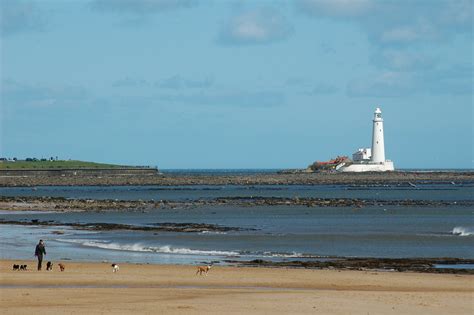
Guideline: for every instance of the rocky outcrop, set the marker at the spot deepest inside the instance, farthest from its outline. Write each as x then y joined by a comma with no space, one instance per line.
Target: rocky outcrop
386,264
63,204
157,227
387,178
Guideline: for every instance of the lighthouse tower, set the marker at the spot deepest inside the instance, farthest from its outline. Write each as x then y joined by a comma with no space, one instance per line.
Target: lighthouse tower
378,146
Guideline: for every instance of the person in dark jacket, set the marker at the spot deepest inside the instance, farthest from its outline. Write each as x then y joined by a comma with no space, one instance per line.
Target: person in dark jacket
39,252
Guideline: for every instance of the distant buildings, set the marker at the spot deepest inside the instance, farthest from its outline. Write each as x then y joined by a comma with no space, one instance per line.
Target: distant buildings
4,159
28,159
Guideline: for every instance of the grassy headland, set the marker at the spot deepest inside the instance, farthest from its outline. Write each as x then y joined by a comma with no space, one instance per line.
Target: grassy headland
70,164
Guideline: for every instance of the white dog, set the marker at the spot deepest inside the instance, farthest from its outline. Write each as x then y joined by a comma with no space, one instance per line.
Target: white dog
115,267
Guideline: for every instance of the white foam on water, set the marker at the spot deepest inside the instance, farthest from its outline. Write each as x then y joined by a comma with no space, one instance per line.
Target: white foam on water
151,249
212,232
462,231
284,255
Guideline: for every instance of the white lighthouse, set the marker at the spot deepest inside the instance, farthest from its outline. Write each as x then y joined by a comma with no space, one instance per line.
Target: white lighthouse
371,159
378,146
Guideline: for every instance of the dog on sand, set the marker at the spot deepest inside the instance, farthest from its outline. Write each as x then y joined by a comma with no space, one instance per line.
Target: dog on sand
23,267
16,267
49,266
203,269
115,267
61,267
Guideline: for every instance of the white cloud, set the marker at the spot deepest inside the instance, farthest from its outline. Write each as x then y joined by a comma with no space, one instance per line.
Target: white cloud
458,13
408,38
402,60
15,93
232,98
323,88
178,82
130,82
257,26
20,16
457,79
398,22
452,80
386,84
335,8
174,82
140,7
422,30
297,81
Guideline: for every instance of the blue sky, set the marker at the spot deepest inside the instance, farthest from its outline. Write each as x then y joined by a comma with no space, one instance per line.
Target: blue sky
236,84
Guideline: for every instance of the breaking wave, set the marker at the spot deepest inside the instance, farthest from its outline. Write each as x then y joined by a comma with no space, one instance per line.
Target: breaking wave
213,232
166,249
151,249
289,255
284,255
462,231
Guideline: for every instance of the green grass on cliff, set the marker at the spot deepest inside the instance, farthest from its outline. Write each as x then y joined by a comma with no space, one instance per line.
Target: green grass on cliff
54,165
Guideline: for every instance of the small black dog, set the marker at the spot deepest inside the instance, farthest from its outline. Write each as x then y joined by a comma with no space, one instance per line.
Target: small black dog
23,267
16,267
49,266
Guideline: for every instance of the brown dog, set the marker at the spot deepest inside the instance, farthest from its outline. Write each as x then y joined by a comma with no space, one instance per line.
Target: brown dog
203,269
61,267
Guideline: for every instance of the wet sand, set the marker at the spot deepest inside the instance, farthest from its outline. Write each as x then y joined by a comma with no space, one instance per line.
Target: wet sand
175,289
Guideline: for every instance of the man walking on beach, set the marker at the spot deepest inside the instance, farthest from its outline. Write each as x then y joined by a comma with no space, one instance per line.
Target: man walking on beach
39,252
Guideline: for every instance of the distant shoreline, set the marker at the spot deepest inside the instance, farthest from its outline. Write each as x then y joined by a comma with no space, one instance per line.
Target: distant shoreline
182,179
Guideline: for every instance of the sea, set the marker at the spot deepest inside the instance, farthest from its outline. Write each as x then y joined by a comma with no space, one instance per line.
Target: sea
275,233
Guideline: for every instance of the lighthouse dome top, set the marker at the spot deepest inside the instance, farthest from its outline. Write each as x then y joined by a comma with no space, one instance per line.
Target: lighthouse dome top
378,114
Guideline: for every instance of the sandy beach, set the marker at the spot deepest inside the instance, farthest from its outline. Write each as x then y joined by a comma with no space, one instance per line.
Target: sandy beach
175,289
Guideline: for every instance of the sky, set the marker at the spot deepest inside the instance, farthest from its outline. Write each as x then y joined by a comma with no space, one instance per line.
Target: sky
236,84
